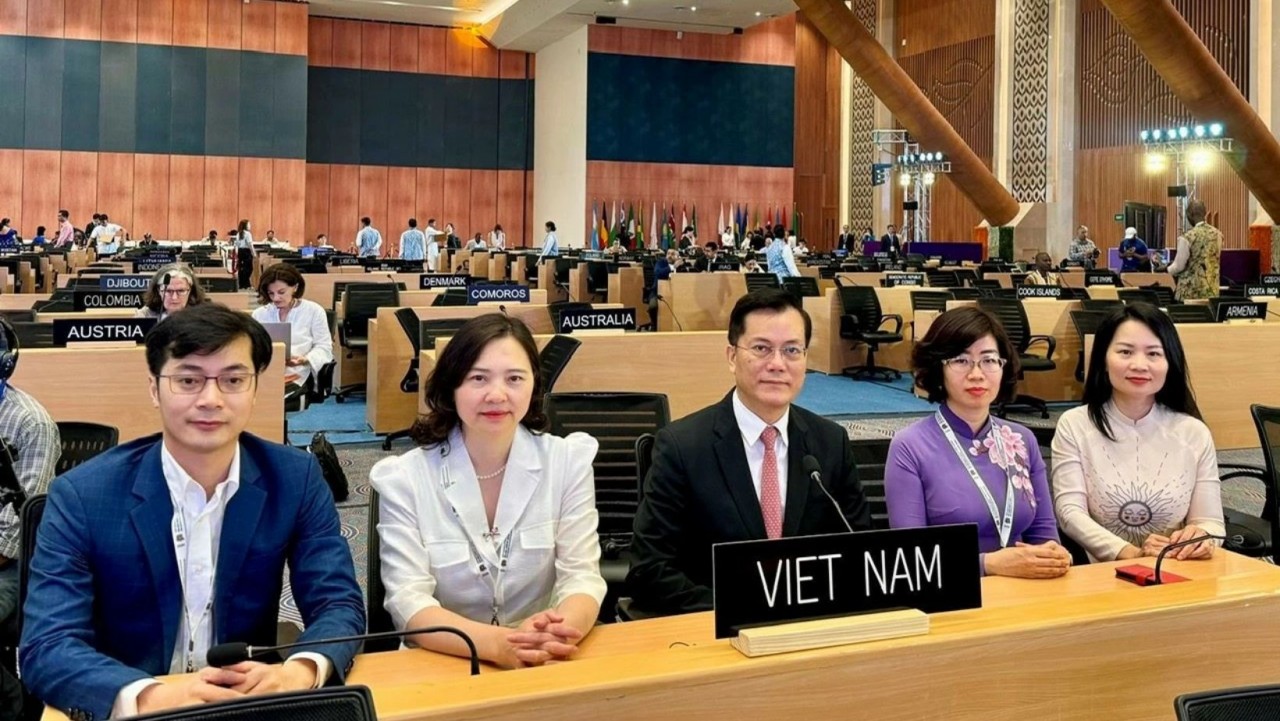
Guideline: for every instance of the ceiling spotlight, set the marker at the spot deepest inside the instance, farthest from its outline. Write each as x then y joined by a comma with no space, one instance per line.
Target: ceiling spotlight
928,178
1144,135
941,158
1215,129
1200,160
1156,162
1183,132
904,180
1157,134
693,8
1199,130
758,13
626,2
1172,134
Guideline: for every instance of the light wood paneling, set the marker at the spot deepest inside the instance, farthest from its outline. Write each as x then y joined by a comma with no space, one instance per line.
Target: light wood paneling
402,203
404,48
431,196
78,190
120,20
155,22
512,64
317,199
456,207
373,196
288,198
484,203
150,196
186,197
221,197
258,27
924,25
432,43
458,52
511,210
375,46
83,19
291,28
11,182
45,18
224,24
13,19
191,23
255,193
344,204
115,188
40,182
767,43
346,43
817,164
320,42
484,61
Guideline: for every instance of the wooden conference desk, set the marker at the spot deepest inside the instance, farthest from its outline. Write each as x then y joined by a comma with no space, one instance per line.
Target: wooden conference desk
699,301
690,368
1079,648
110,386
1231,367
625,288
829,353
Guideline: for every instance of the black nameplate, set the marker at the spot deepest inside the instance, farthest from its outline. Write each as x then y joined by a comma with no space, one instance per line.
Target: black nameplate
1098,278
915,280
1039,291
1271,290
935,257
762,583
882,255
1239,310
733,267
152,261
89,299
9,250
124,282
619,319
492,292
1270,279
344,260
427,281
100,330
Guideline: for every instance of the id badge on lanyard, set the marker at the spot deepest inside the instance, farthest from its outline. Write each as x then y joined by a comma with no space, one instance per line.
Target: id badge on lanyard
1004,526
493,578
182,554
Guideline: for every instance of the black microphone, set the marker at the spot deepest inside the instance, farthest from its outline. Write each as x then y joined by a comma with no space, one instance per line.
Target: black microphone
814,469
229,654
164,282
1180,544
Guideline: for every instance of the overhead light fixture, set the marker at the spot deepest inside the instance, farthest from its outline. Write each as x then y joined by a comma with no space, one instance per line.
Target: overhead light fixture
1184,132
1215,129
1171,134
758,13
904,180
1200,131
1156,162
1157,134
1200,160
1144,135
928,178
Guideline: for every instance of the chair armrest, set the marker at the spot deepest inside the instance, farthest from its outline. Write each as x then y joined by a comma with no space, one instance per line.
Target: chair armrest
1229,471
1050,340
849,326
897,319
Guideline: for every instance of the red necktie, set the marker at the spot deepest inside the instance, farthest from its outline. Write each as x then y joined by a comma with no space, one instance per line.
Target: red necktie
770,495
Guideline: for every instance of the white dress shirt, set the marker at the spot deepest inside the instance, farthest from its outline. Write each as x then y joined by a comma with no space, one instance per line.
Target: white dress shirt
546,519
433,251
752,427
497,240
308,334
197,556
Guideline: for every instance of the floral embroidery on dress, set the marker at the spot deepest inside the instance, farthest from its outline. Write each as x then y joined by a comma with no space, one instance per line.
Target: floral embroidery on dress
1013,459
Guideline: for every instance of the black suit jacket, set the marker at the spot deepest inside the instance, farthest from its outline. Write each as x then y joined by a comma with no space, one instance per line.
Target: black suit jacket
848,241
891,243
699,492
702,263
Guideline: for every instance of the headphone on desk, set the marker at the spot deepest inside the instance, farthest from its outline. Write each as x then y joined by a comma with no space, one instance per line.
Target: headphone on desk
8,355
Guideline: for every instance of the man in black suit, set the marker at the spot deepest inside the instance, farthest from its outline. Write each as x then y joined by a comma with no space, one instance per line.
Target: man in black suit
891,242
734,471
848,241
702,264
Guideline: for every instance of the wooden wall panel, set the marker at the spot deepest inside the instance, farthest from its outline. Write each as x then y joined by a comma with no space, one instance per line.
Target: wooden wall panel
484,203
40,182
186,197
221,192
512,64
255,193
431,196
13,18
510,210
373,197
320,42
191,23
11,182
317,203
289,198
960,82
375,46
83,21
402,202
532,229
456,206
115,188
78,189
224,24
258,29
458,52
291,28
346,43
768,43
924,25
404,48
45,18
155,23
120,20
150,196
484,61
432,50
344,204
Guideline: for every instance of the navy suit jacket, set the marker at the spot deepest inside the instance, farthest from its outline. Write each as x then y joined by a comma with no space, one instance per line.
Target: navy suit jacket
105,602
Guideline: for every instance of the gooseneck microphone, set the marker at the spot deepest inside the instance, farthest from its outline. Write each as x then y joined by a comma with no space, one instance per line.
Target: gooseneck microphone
229,654
1190,541
814,470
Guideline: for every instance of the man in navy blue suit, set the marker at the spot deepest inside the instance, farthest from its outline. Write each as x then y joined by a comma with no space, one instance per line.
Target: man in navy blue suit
155,551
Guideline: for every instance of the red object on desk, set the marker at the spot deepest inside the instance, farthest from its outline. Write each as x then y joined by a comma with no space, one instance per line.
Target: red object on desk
1146,576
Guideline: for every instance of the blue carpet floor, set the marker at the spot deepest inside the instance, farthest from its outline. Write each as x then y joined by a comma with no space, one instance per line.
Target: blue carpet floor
844,397
341,422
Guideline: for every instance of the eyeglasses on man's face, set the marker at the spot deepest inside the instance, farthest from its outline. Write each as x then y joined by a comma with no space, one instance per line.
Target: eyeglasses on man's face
189,384
764,351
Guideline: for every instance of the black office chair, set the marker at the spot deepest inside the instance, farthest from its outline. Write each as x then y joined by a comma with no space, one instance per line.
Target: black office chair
1164,295
801,286
626,609
31,514
360,305
966,293
998,293
1105,305
218,285
561,280
943,279
1190,313
82,441
615,420
1013,317
342,286
412,327
451,297
1248,703
430,331
1086,323
930,300
871,455
554,358
34,335
861,321
966,276
758,281
322,387
1138,295
376,615
1248,534
331,703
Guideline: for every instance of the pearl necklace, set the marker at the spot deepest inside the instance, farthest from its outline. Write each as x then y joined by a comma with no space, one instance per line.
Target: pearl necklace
495,474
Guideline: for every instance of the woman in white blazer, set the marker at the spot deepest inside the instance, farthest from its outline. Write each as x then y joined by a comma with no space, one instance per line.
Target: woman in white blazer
310,343
490,525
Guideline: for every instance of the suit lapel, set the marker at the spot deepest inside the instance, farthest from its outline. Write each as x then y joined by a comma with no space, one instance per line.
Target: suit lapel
797,481
152,519
461,491
239,525
732,457
524,473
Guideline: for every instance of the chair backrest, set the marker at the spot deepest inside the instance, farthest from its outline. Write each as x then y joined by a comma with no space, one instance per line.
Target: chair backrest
451,297
341,286
802,286
34,335
966,276
376,614
1107,305
323,387
1137,295
1190,313
644,461
361,305
1013,317
929,300
31,513
615,420
430,331
82,441
862,303
757,281
554,358
1164,294
1235,704
412,327
970,293
1002,293
943,279
871,455
1267,421
218,285
331,703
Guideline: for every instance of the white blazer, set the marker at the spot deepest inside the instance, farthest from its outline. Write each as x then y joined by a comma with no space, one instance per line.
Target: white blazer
433,528
308,335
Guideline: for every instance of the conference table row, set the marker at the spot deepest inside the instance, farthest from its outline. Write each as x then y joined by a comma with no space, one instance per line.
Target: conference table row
1085,646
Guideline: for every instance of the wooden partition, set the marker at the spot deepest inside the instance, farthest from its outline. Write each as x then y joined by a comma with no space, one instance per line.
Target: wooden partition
1231,368
626,287
698,301
109,385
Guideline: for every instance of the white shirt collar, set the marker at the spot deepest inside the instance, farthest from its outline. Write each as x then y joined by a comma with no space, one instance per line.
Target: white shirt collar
184,489
751,425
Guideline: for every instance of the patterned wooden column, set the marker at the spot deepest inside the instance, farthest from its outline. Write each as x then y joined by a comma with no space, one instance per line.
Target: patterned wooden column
862,151
1029,171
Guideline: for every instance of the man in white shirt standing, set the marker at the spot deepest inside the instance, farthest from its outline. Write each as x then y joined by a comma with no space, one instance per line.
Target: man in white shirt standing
159,549
368,240
106,232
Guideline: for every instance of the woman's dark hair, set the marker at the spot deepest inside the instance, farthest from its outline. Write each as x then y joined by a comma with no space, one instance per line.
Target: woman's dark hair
202,330
284,273
242,226
551,226
950,335
154,300
1176,394
497,228
456,361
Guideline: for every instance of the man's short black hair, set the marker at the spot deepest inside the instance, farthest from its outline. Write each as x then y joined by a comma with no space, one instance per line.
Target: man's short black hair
366,221
204,329
413,222
772,299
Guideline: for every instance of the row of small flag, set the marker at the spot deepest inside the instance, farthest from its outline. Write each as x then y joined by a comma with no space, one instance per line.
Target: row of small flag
609,221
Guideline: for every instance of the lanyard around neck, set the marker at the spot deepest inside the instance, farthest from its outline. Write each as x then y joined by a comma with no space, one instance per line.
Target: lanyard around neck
182,555
502,548
1003,525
